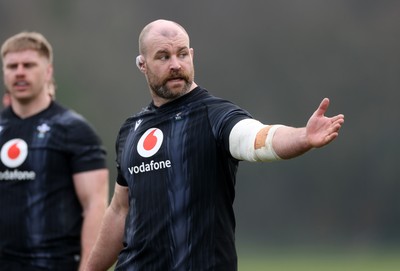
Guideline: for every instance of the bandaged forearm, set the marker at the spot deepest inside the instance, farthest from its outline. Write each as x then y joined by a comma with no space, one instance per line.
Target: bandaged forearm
250,140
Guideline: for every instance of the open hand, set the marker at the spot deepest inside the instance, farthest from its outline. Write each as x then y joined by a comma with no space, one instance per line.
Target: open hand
321,130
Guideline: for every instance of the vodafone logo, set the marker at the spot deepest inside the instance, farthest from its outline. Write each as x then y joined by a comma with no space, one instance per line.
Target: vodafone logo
148,145
150,142
14,152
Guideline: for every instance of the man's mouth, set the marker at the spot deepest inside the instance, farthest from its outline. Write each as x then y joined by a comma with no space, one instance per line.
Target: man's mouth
175,78
21,83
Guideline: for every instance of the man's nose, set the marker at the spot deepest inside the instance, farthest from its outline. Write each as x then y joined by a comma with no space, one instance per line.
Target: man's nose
20,70
175,63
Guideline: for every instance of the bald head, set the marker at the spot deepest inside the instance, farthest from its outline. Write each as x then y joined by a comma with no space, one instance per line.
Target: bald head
160,28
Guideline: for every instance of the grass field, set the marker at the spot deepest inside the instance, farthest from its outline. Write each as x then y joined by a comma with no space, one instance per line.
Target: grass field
354,261
306,261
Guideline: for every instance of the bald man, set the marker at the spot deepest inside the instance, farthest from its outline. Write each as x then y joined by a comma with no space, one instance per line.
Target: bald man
177,161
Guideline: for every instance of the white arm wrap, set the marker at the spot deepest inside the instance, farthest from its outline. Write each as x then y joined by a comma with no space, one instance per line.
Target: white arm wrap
242,141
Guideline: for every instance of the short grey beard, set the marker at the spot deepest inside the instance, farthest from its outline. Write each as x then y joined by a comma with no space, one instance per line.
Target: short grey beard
166,93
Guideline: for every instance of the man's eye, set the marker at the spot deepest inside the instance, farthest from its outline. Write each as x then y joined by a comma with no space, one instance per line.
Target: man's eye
182,55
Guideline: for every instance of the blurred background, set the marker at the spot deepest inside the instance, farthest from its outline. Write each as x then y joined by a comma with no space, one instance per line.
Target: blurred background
278,60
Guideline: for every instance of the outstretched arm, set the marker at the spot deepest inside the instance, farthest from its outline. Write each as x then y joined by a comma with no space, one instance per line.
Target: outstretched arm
250,140
289,142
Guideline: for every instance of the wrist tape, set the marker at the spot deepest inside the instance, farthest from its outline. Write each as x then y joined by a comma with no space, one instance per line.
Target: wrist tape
250,140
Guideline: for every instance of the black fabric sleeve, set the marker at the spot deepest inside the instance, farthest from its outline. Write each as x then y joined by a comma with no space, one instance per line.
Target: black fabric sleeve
84,145
223,116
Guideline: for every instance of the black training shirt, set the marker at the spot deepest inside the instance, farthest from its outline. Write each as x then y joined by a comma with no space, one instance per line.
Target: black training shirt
176,162
40,215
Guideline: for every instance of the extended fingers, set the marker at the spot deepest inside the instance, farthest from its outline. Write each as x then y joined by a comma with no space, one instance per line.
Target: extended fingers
331,137
339,117
335,126
337,120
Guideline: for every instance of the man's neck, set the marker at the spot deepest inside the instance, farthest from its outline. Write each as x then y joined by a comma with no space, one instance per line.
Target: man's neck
30,108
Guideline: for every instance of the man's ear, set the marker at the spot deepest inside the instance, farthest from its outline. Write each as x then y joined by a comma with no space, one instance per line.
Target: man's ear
49,73
140,63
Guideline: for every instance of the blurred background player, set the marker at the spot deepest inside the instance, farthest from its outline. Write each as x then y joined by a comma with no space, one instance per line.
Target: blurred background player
53,174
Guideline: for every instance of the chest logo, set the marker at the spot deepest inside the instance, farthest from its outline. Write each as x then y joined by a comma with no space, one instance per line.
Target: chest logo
14,152
150,142
43,129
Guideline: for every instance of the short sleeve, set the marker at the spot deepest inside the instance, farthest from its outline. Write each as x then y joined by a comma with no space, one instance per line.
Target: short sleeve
223,116
84,145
